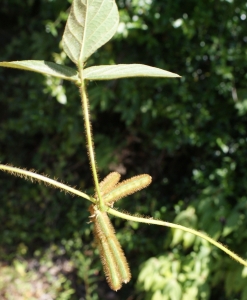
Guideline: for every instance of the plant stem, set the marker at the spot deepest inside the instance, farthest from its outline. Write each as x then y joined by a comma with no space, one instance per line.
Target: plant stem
32,175
37,177
89,137
176,226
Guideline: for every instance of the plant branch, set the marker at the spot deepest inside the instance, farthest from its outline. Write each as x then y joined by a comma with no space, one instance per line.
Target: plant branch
37,177
148,220
176,226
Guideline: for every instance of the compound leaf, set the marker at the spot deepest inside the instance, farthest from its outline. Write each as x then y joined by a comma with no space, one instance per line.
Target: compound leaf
91,23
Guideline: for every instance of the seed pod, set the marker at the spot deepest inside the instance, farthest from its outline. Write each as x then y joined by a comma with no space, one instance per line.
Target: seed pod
114,262
127,187
109,182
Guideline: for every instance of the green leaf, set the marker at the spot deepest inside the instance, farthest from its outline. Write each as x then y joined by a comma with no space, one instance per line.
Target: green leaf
188,240
158,296
91,23
173,289
177,237
43,67
107,72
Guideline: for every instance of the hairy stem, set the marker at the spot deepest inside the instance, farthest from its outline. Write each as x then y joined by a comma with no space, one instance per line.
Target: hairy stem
89,137
176,226
51,182
32,175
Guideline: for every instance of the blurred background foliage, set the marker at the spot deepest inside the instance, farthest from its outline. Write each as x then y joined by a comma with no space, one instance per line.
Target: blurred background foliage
189,134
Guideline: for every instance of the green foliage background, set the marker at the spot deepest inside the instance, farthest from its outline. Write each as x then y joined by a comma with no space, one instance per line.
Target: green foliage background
190,135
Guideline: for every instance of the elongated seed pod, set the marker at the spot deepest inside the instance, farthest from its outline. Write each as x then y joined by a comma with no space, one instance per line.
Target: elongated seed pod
105,228
120,259
112,256
109,182
108,262
127,187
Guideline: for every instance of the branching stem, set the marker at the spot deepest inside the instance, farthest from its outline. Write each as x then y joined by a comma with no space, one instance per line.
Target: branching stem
29,174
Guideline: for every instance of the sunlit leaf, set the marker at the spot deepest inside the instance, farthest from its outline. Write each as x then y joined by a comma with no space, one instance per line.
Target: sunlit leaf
91,23
188,239
107,72
43,67
173,289
177,237
158,295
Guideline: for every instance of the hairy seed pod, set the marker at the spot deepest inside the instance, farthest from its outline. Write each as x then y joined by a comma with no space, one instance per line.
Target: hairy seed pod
109,182
127,187
112,256
108,262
